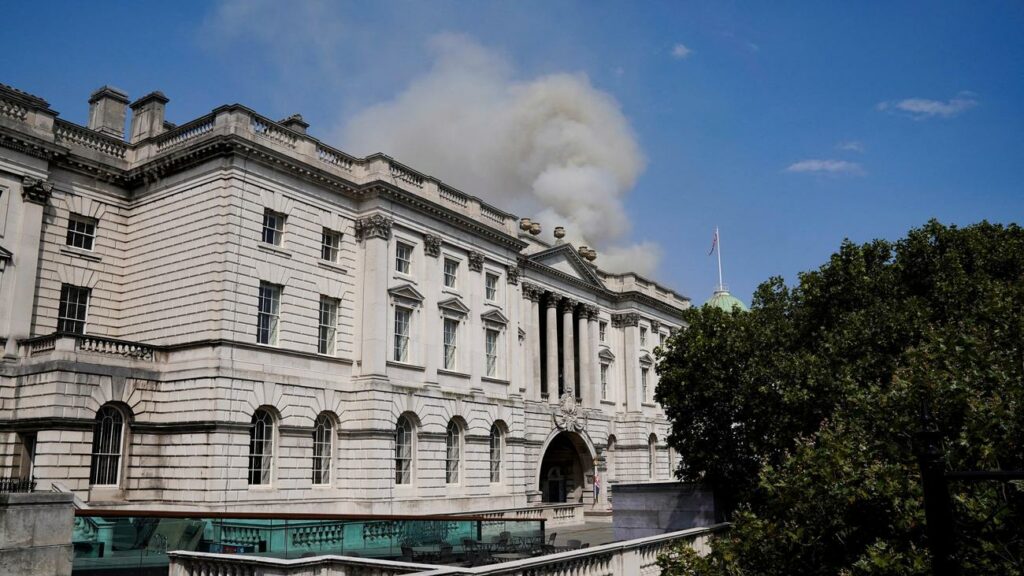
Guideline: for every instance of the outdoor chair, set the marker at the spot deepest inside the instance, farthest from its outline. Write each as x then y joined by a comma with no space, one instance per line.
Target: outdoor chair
574,544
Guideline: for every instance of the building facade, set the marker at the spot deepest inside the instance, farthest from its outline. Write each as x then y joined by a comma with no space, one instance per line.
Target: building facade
231,314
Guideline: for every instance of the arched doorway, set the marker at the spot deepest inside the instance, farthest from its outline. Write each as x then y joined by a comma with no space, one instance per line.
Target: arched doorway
566,470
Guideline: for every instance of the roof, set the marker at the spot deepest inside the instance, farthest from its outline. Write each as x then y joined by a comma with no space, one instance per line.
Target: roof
723,300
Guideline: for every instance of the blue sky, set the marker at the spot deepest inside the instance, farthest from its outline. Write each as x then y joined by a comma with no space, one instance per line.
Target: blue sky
789,125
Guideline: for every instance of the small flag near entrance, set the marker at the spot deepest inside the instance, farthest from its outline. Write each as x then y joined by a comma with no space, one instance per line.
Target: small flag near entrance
597,485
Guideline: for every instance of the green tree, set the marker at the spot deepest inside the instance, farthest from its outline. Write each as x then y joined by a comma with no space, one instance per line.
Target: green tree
802,413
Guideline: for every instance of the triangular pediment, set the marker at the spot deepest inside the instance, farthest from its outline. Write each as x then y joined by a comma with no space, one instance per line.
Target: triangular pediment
454,306
6,254
606,354
494,316
406,292
565,259
646,359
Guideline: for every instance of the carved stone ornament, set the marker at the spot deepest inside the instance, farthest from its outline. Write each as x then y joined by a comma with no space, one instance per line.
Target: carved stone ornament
569,416
591,311
569,303
375,226
532,292
36,190
655,326
625,319
476,261
432,245
512,274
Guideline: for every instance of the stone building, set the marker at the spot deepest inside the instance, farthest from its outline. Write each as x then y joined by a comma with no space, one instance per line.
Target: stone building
230,313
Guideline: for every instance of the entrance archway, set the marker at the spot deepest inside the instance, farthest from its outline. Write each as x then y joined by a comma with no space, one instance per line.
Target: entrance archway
566,470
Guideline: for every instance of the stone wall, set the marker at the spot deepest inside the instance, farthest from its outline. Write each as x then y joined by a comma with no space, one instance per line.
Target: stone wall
641,510
35,534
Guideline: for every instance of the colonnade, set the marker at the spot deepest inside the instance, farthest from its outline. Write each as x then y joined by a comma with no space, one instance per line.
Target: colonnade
579,336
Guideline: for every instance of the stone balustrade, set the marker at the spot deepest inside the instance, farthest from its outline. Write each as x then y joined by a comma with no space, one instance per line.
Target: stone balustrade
554,515
74,135
185,134
65,342
634,557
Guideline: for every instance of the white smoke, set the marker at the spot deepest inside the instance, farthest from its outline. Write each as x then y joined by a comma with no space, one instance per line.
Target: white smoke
554,148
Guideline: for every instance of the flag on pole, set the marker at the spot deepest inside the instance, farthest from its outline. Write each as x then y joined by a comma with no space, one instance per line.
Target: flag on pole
714,243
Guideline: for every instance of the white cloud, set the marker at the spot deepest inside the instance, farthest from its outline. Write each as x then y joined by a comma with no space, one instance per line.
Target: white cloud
554,148
922,108
833,167
851,146
680,51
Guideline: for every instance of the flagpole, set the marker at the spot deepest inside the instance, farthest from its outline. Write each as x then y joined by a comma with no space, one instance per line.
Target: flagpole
718,238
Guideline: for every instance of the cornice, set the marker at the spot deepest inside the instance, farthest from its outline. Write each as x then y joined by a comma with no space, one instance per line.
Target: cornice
27,144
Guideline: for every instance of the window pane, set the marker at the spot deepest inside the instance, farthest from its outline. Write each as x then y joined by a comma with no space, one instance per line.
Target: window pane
491,287
402,317
491,350
81,231
106,447
495,454
327,339
451,272
323,439
273,227
403,257
450,336
403,451
261,447
452,453
74,303
269,309
330,245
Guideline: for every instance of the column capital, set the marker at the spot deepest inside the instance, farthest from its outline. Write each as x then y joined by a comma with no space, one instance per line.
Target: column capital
591,311
552,300
476,261
569,303
432,245
532,292
35,190
374,226
625,319
512,274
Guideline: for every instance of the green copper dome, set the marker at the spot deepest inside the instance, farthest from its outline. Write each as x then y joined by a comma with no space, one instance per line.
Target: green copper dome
723,300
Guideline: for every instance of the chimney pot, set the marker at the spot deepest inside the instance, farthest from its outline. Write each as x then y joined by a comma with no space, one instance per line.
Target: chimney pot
108,109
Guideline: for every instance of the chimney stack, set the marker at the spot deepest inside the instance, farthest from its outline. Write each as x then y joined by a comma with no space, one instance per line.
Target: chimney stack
108,109
296,123
148,116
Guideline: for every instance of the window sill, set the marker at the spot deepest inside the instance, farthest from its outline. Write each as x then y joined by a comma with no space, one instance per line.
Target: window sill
81,253
648,405
494,380
397,364
453,291
404,277
608,402
331,266
492,304
261,487
274,249
453,373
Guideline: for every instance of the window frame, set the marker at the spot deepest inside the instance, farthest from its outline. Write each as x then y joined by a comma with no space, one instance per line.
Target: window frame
643,336
87,235
330,245
450,351
268,293
644,379
263,473
404,464
603,375
323,449
110,461
401,341
452,452
496,453
400,262
327,333
602,331
492,356
491,291
73,324
454,275
273,227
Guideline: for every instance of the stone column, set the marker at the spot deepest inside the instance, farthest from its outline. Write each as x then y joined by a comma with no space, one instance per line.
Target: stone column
569,369
630,324
375,233
531,352
433,324
583,343
515,335
551,305
592,353
35,194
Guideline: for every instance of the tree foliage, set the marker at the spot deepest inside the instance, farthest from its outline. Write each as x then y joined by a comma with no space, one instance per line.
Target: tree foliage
802,413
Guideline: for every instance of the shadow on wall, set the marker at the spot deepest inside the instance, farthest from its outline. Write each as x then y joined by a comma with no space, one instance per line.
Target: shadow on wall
650,509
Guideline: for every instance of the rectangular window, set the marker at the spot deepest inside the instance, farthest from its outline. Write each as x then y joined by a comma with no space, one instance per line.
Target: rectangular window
269,312
74,305
81,231
661,340
491,346
491,287
451,332
643,383
330,245
643,337
327,340
604,381
451,272
403,257
273,227
403,317
602,331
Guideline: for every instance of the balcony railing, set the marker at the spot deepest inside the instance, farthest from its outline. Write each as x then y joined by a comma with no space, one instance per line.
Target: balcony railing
68,342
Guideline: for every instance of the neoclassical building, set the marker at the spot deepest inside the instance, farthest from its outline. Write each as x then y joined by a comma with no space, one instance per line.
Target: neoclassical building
231,314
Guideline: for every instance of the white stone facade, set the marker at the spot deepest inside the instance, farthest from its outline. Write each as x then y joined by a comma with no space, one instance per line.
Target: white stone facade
172,246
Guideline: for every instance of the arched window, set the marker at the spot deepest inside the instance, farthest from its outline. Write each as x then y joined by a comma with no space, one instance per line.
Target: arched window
404,450
652,457
453,452
107,445
323,448
496,452
610,451
261,447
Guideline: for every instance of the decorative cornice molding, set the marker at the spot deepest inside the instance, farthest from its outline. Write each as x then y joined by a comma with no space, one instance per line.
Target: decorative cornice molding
35,190
625,319
373,226
432,245
476,261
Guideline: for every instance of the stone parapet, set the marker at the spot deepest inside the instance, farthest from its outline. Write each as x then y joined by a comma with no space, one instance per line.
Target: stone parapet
35,533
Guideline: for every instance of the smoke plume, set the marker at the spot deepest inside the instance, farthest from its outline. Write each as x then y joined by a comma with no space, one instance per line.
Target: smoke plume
553,148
